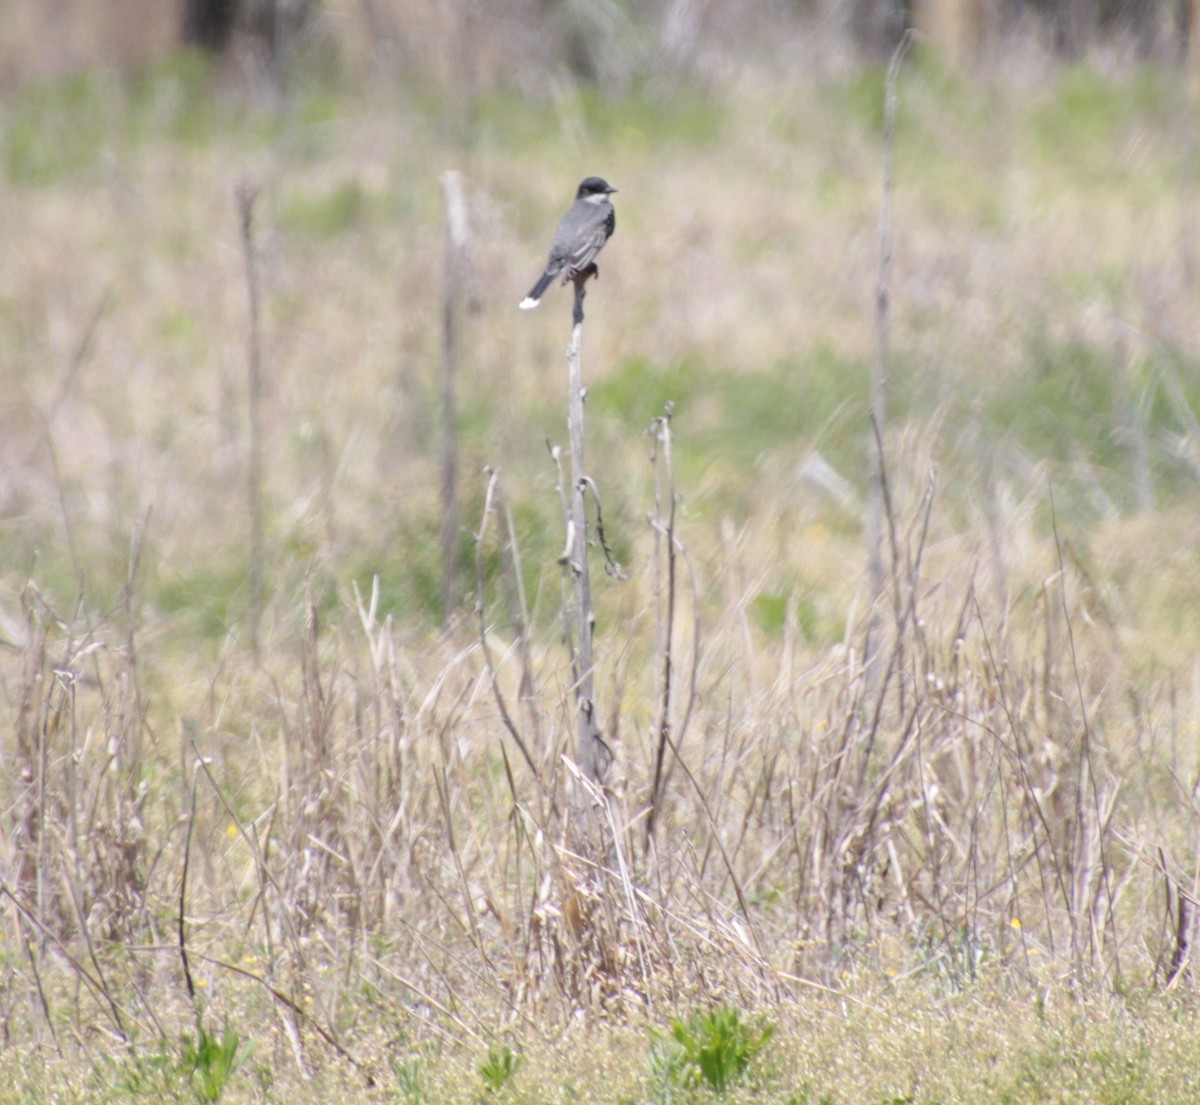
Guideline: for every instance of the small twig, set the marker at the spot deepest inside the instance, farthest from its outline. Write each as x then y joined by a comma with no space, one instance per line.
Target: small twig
480,610
251,839
1086,749
97,985
1181,924
442,786
410,983
880,368
187,850
282,998
518,612
27,946
612,566
1028,785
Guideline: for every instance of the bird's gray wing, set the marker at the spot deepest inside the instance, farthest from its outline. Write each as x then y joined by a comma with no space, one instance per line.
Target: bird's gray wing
580,236
586,250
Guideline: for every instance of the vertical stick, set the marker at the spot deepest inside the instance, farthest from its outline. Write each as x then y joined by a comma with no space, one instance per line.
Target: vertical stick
493,502
518,612
667,475
879,370
591,763
246,196
455,250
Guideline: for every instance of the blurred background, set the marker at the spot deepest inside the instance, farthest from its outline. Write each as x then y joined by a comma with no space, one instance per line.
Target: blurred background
522,40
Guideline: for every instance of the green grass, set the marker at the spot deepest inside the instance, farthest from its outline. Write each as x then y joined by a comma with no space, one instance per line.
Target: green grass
175,101
993,1049
209,1062
499,1068
772,609
327,214
59,131
208,601
1086,116
713,1049
742,412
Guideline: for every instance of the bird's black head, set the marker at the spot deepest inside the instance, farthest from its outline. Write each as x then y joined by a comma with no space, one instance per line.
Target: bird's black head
594,186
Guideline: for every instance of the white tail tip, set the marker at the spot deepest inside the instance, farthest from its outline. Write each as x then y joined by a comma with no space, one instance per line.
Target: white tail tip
528,303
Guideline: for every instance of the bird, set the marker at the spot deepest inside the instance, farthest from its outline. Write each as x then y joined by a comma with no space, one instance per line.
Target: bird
580,236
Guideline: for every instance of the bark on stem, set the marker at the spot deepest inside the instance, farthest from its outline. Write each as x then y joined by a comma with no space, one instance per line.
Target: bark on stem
590,753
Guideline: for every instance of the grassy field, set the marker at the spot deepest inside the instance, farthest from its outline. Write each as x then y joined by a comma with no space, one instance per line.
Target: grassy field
965,873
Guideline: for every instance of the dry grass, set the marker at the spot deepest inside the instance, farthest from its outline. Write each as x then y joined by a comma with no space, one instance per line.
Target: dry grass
981,848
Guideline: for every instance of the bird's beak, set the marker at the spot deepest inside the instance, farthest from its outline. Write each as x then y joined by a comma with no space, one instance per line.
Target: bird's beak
611,190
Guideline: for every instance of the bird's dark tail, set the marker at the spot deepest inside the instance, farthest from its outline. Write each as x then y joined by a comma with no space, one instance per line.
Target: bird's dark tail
539,289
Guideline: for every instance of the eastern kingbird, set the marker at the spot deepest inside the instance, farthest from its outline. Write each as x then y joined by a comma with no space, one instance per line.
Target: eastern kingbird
580,236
